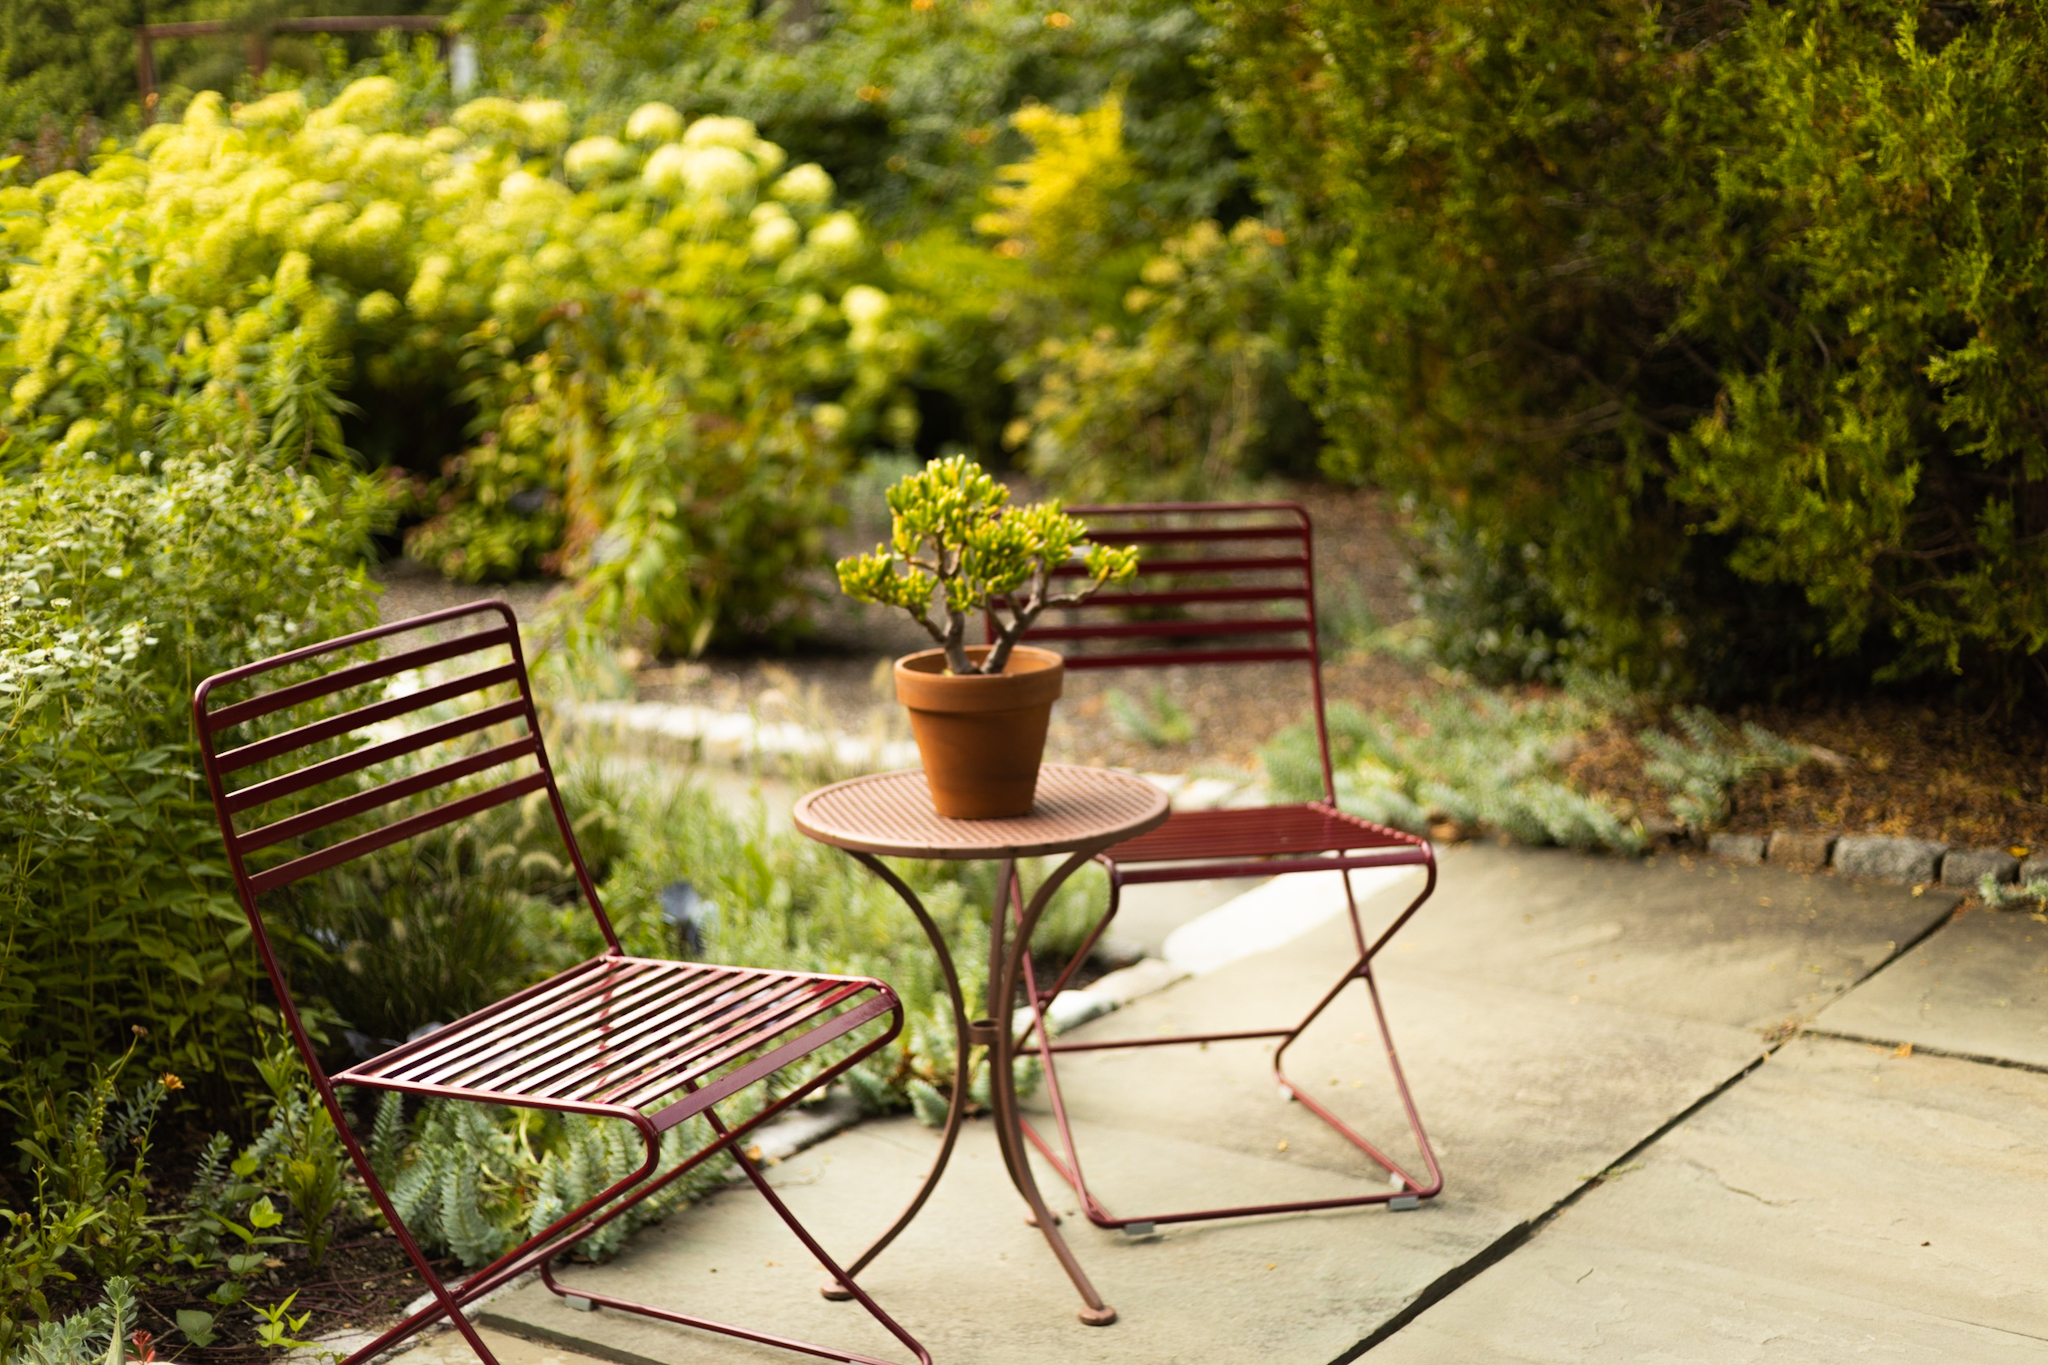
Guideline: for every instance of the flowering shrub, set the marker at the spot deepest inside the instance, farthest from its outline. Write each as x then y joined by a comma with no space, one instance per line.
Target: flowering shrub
665,336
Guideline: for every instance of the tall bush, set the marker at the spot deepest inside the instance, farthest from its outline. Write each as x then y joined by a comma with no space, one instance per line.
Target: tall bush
1705,322
118,593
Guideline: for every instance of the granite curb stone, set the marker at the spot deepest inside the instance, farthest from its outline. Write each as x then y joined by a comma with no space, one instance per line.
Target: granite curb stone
1800,852
1892,859
2034,869
1966,867
1737,848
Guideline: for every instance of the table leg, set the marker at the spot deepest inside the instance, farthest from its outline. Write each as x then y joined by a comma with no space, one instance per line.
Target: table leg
1002,1076
963,1074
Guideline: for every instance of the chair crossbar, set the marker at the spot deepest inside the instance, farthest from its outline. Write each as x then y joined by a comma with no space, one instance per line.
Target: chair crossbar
1157,658
329,727
322,816
1148,567
355,675
1168,535
355,760
1278,592
1171,629
284,874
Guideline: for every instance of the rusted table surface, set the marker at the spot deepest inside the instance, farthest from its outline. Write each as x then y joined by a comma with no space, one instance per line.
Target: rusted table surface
1079,812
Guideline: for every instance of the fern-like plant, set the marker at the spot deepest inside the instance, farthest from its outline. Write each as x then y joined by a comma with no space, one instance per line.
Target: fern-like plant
1700,772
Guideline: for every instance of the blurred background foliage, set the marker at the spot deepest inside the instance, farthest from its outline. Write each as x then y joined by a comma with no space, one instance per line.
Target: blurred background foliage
1702,336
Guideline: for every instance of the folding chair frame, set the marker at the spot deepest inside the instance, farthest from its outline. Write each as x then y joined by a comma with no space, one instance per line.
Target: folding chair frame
1302,838
779,1002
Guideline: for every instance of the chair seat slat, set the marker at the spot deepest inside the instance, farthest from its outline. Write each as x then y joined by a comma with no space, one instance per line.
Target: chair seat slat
1260,831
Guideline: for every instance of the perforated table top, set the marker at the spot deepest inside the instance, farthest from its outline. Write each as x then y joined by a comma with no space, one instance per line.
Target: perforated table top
891,813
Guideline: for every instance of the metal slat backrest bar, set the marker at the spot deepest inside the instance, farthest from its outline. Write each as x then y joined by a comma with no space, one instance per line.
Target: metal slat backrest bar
441,793
1217,583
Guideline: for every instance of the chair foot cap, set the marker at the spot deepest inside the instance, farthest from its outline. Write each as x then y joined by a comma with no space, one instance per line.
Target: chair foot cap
1401,1203
835,1291
579,1303
1140,1229
1097,1317
1287,1092
1031,1220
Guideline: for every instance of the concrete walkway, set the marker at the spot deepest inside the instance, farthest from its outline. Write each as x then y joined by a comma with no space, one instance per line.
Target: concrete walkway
1640,1165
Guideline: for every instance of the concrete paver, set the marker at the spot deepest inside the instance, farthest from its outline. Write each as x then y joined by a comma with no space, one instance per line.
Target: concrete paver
1554,1012
1978,987
1843,1202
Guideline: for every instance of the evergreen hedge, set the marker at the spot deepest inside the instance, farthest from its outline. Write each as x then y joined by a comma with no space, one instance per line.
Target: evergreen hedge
1709,331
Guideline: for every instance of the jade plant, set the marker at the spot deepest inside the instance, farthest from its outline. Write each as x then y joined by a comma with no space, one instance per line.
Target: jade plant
953,530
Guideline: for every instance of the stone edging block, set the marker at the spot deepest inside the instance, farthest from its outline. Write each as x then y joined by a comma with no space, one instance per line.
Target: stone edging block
1966,867
1801,852
1888,858
1737,848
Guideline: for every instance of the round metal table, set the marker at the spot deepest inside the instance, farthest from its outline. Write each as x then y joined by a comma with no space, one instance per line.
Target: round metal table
1079,812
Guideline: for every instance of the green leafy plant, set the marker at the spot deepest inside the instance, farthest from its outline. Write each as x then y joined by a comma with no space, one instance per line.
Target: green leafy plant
119,591
1702,771
1472,758
101,1335
1642,291
1161,723
954,533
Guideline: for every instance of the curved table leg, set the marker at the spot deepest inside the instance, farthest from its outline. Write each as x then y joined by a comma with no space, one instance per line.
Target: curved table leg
963,1072
1003,1080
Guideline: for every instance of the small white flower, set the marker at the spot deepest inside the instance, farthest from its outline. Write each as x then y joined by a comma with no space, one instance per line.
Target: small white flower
654,123
806,186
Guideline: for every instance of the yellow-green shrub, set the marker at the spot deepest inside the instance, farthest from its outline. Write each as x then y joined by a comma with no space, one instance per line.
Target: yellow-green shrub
651,331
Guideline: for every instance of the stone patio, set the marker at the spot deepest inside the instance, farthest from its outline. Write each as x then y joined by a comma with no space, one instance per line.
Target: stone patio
1674,1100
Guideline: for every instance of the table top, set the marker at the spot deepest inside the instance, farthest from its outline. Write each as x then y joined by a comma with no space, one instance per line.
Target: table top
891,813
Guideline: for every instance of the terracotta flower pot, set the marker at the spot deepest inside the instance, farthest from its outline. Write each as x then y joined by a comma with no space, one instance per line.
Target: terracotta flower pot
981,735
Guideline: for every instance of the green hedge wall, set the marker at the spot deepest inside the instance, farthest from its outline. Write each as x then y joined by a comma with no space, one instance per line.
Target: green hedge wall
1716,324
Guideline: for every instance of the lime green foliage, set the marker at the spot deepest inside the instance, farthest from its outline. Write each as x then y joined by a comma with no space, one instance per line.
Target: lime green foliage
953,531
1701,772
1470,757
1150,367
2009,895
118,593
666,339
1152,363
1710,326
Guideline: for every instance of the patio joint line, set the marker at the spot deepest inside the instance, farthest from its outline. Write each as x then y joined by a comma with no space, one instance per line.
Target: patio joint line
1926,1050
1513,1239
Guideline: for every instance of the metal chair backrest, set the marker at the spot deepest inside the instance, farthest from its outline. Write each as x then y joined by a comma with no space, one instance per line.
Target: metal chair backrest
1217,583
306,765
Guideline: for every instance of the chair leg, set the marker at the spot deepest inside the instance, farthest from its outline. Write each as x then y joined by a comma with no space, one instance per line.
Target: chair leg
1411,1191
803,1235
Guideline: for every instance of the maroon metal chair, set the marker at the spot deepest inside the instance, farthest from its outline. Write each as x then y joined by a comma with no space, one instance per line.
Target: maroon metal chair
650,1042
1227,583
